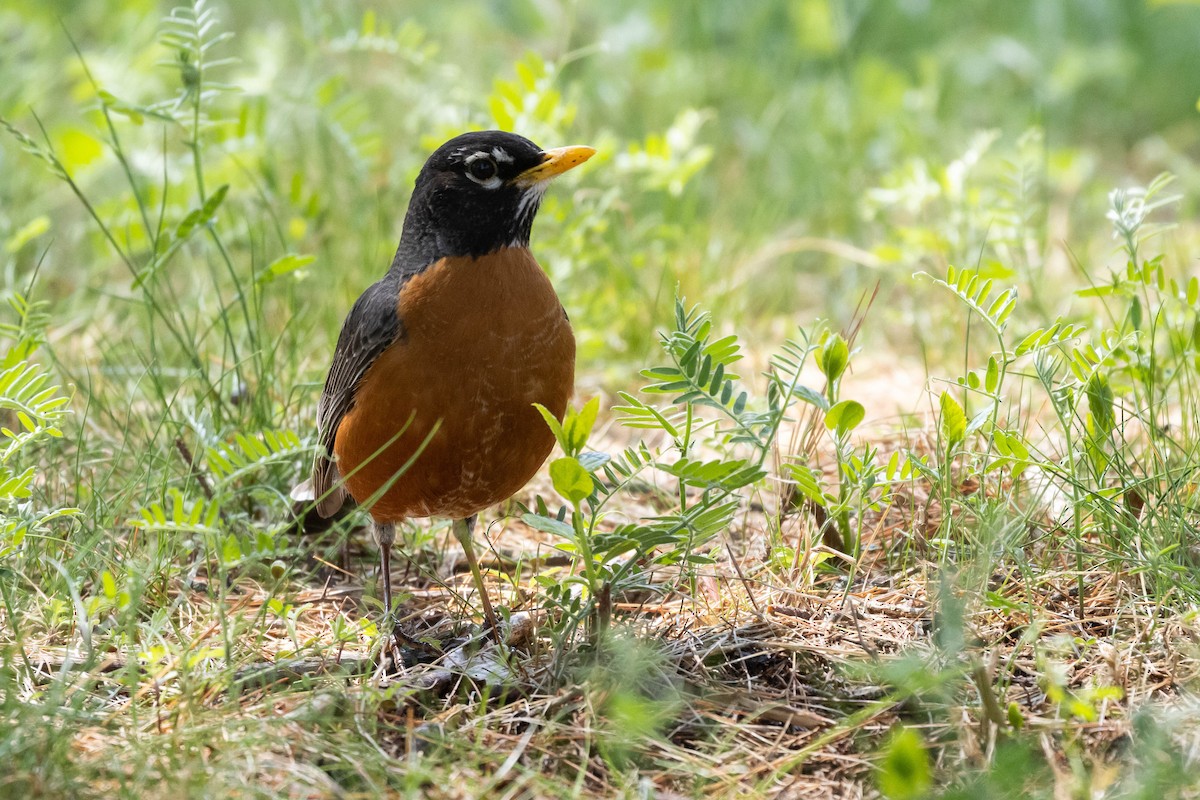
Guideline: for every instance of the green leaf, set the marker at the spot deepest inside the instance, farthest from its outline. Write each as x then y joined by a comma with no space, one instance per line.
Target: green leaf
812,397
1097,291
981,418
231,551
555,426
1100,403
592,461
1016,719
282,266
724,351
570,479
992,381
504,120
577,426
718,379
904,770
549,525
1016,445
27,233
809,482
109,584
954,420
639,415
835,356
739,405
78,148
214,202
728,475
203,215
845,416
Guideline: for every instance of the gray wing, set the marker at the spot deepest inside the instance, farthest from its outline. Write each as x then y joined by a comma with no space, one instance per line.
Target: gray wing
370,328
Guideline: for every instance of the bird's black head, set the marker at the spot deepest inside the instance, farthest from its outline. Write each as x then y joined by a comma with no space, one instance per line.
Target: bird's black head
477,193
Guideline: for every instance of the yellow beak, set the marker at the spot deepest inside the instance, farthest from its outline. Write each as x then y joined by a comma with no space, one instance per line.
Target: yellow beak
554,163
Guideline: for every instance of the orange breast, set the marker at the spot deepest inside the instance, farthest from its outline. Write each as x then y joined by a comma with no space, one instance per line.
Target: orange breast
483,340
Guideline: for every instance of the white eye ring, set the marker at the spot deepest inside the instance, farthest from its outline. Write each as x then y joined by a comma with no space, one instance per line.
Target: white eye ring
486,174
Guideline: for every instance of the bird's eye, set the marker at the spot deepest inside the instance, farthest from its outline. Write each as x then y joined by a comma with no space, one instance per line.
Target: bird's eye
482,169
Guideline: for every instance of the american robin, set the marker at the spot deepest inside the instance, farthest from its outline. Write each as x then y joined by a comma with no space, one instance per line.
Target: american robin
428,406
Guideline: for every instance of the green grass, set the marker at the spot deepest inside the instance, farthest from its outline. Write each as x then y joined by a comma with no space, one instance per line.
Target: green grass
749,574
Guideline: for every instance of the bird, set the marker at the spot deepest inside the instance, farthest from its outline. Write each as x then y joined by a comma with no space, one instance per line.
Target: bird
428,408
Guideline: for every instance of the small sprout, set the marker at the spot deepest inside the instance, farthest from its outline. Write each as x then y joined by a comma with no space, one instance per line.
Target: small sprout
835,355
904,770
954,420
1016,720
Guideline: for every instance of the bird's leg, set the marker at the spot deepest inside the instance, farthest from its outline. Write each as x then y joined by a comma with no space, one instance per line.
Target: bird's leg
462,531
385,535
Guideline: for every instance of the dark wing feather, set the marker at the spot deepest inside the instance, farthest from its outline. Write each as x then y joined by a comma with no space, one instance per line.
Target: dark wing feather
371,327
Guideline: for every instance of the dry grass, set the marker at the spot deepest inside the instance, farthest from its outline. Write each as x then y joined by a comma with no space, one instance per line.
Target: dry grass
775,680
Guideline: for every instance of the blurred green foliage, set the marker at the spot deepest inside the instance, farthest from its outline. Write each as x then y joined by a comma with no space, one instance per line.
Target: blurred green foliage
792,111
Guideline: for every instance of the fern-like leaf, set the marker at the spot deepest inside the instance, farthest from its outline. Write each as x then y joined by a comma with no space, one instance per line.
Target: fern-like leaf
178,514
1053,336
718,474
247,454
191,33
976,292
